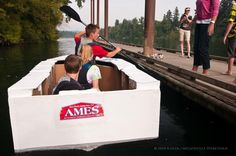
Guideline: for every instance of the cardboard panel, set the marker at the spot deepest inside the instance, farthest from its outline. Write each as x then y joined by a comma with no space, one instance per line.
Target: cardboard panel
128,115
110,80
45,87
57,72
124,81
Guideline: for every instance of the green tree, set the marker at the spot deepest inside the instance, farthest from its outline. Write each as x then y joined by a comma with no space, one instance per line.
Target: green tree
24,21
129,31
176,17
117,23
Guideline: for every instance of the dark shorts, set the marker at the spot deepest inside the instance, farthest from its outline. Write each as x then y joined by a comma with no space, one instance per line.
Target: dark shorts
231,47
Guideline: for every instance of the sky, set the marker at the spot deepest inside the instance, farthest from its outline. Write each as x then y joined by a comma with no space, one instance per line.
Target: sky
124,9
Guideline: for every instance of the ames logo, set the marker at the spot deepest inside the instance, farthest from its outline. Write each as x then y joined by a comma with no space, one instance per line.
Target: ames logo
81,110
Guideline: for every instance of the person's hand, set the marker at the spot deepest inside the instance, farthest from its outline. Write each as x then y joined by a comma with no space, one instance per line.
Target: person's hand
225,39
118,49
211,29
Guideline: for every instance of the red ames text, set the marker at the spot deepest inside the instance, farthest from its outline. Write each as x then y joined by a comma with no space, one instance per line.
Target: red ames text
81,110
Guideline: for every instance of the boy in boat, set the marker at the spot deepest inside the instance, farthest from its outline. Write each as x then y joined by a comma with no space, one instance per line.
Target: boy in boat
89,74
70,80
92,34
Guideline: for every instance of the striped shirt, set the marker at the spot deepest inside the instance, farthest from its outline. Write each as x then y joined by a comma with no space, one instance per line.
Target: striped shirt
232,18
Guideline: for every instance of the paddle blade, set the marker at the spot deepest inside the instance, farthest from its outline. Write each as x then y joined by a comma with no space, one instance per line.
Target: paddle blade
70,12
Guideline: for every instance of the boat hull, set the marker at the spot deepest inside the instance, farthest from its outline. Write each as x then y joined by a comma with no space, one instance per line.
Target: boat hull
83,119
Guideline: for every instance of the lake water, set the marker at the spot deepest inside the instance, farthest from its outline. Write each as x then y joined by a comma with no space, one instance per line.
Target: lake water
186,129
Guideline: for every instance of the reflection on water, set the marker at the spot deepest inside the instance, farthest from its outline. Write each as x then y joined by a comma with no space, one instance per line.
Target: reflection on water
66,46
185,128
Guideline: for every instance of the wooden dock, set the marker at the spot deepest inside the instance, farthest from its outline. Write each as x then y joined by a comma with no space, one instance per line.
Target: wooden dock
216,71
214,91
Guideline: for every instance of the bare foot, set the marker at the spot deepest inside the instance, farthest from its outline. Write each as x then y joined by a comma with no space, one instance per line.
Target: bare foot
228,73
205,72
234,81
195,68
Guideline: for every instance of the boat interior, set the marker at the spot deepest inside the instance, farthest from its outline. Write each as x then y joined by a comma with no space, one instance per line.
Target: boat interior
112,79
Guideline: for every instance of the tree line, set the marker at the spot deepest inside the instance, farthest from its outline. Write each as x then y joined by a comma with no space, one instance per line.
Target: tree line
166,31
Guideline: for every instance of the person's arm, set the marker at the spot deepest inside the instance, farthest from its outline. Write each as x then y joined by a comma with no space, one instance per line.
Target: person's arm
230,24
114,52
189,21
94,75
215,11
79,34
96,84
228,28
77,38
182,19
211,26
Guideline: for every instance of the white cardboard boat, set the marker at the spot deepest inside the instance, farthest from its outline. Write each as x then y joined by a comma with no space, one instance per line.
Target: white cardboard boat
127,108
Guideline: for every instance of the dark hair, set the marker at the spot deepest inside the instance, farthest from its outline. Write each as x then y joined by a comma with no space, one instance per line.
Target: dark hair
72,63
91,28
187,9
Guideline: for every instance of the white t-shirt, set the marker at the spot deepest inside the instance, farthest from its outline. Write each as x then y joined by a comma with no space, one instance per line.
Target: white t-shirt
93,74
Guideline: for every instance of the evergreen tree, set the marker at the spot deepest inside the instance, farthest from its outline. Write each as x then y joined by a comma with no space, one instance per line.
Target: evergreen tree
176,17
117,23
169,16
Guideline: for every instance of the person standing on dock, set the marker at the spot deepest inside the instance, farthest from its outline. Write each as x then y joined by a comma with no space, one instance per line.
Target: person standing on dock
92,33
206,15
230,38
185,31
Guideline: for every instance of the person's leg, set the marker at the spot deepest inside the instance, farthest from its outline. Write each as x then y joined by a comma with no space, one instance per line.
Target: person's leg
204,47
188,42
234,80
231,47
188,48
182,48
181,39
196,59
230,65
